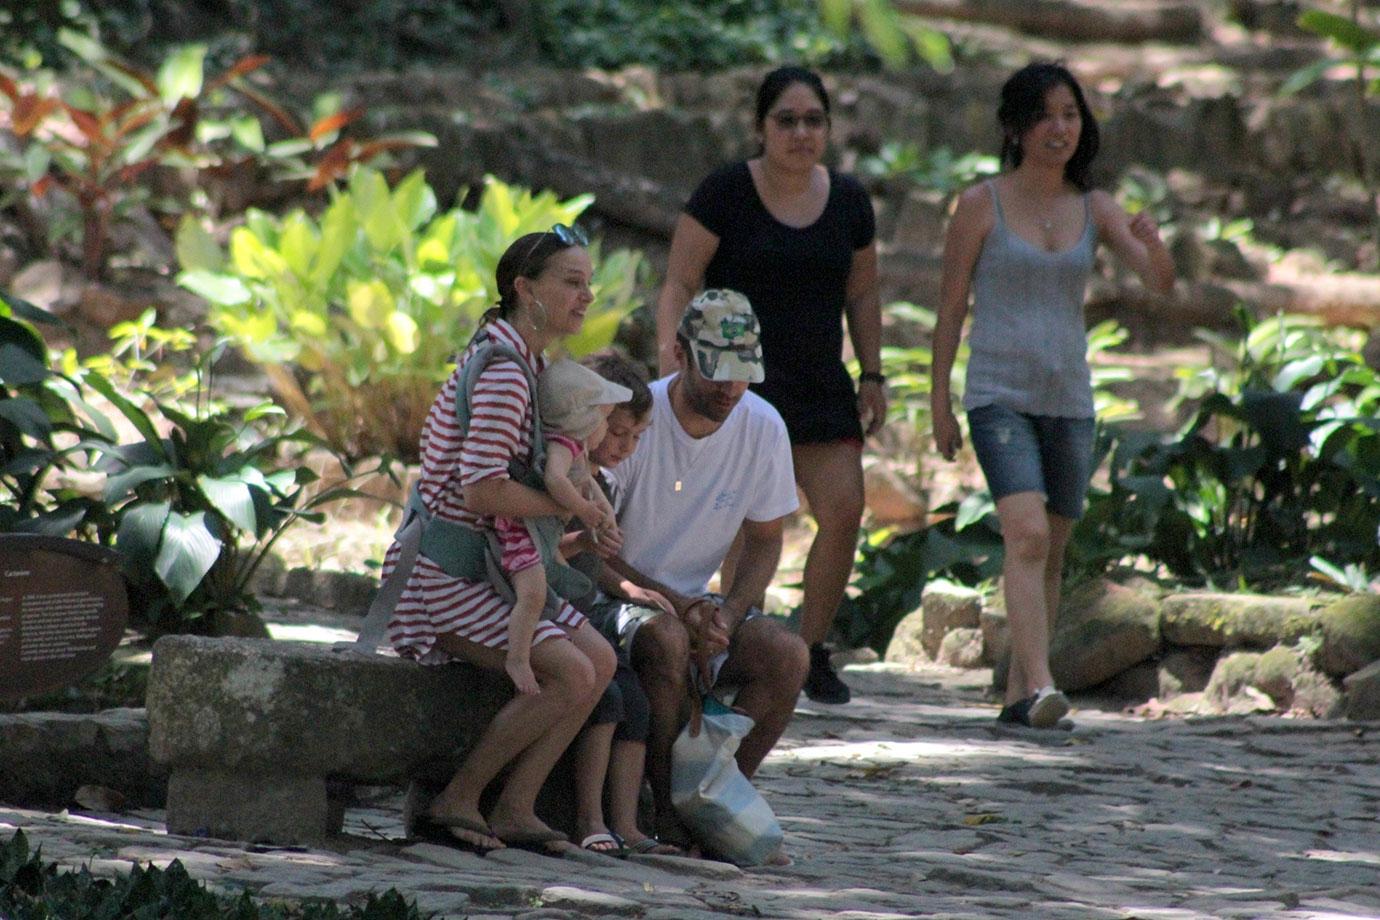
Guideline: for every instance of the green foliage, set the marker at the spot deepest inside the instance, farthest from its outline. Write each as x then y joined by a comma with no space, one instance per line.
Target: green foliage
96,135
894,35
37,425
892,569
356,317
937,168
701,36
1280,463
193,503
31,889
1359,46
196,509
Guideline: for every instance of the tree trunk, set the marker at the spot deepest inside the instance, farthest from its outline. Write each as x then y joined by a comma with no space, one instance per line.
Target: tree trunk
1074,20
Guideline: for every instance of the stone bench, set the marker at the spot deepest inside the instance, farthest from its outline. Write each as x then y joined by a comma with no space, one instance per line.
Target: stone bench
259,735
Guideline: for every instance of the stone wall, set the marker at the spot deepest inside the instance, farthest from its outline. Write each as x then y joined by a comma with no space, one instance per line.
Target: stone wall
1192,652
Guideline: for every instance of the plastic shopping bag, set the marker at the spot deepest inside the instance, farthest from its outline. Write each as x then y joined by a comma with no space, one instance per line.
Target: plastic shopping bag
717,803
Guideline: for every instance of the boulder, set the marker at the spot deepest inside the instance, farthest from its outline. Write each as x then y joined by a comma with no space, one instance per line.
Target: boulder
1235,620
945,607
46,757
1103,629
1363,693
996,637
1351,634
1136,684
905,646
961,648
1234,673
1186,670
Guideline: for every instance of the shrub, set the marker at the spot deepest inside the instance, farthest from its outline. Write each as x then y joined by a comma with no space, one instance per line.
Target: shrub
356,317
1280,463
31,889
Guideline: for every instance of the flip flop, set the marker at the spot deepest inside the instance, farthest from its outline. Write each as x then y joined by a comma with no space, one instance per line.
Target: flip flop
536,842
441,829
650,846
617,849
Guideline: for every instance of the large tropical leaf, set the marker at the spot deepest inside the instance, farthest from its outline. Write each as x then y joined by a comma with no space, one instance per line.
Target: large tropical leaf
186,553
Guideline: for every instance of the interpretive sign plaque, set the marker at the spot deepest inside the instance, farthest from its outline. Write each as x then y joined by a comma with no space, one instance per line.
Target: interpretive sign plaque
63,607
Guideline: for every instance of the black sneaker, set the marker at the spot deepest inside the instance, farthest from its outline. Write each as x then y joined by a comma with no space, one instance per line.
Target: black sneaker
822,684
1017,713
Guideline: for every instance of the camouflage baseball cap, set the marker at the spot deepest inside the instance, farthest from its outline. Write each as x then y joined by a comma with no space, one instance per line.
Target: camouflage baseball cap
724,336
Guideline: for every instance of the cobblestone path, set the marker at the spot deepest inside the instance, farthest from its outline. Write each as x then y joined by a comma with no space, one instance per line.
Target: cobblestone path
909,802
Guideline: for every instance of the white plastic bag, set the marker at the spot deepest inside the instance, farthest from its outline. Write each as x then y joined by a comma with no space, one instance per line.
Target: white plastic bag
717,803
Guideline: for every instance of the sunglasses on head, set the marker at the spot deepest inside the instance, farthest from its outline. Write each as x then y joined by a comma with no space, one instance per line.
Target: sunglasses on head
567,236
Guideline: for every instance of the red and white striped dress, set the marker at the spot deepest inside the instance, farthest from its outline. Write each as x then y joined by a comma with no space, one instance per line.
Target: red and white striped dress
434,603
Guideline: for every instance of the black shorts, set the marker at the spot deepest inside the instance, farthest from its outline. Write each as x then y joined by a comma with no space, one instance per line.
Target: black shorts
816,418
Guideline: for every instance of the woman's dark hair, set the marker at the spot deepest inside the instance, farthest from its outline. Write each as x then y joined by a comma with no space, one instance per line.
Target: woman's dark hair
612,366
1023,104
525,257
782,79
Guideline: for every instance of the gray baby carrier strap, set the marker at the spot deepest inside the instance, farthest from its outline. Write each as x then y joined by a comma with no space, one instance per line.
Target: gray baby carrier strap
461,551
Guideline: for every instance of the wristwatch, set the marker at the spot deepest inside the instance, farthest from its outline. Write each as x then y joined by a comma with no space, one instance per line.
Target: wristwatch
872,377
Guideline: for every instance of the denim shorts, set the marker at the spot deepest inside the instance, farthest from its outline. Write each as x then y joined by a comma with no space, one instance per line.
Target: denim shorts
1034,453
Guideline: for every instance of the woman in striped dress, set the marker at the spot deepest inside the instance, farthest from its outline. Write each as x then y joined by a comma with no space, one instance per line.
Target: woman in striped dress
544,290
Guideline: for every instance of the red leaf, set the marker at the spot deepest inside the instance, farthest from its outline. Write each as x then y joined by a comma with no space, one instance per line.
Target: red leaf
332,123
9,88
86,122
279,114
132,171
373,148
142,76
29,112
247,64
40,188
331,165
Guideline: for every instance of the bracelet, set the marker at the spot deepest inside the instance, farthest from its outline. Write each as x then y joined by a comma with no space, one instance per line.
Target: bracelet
872,377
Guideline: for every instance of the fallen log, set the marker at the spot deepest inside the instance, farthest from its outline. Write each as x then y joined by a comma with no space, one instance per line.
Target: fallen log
1074,20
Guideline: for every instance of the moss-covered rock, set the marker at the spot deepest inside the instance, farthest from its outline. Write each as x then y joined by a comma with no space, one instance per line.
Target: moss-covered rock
1233,674
1103,629
1236,620
1351,634
1186,670
1363,693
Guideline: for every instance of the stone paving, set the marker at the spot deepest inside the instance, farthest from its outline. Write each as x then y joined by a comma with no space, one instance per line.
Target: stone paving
909,802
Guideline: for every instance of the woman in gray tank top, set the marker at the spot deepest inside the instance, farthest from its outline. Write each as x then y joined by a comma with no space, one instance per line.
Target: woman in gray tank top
1022,245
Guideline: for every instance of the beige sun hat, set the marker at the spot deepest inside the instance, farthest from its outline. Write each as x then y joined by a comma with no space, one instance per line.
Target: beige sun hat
570,395
724,336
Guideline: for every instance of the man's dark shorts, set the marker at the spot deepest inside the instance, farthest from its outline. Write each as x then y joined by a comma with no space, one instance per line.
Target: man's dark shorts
618,622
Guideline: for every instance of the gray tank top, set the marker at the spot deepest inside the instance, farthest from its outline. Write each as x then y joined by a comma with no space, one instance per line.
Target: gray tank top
1028,345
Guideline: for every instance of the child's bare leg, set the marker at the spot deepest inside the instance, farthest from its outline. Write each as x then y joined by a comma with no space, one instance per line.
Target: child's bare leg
591,766
626,762
529,585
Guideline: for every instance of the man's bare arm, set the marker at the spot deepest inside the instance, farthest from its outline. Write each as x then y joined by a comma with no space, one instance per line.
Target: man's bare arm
757,565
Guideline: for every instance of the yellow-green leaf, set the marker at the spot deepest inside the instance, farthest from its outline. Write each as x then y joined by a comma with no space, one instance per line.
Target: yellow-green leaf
371,303
402,333
196,250
181,75
251,257
298,243
338,230
309,323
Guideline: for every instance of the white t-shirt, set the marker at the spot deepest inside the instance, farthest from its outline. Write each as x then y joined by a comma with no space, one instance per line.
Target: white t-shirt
681,500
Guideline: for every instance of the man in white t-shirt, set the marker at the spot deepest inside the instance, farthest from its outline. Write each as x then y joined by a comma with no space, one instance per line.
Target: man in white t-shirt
715,461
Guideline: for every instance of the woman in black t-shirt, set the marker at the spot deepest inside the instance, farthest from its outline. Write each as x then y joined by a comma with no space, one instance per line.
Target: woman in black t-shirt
799,240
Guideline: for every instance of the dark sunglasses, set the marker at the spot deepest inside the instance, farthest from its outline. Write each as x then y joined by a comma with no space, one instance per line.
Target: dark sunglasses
787,121
568,236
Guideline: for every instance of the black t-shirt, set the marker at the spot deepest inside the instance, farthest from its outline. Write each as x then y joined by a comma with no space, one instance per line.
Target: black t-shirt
795,278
